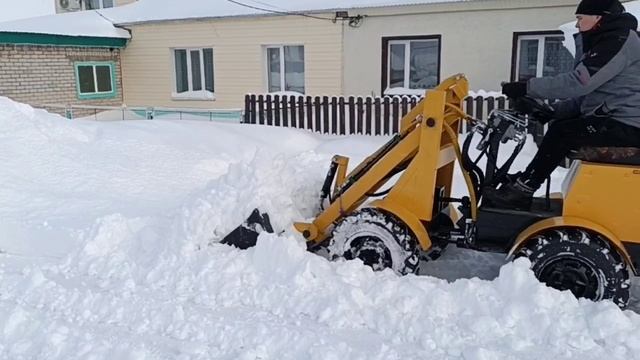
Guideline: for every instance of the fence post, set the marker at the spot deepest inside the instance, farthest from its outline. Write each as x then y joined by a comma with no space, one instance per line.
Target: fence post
394,119
325,114
276,110
352,115
359,115
377,114
309,107
261,109
68,112
343,117
247,109
285,111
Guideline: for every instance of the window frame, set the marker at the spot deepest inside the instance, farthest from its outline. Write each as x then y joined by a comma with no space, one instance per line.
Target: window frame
96,95
281,47
388,40
529,35
101,6
190,94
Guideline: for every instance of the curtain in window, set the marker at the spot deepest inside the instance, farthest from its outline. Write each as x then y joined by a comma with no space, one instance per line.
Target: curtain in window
182,80
86,80
528,64
423,72
396,65
93,4
557,59
196,72
294,68
208,69
273,56
103,75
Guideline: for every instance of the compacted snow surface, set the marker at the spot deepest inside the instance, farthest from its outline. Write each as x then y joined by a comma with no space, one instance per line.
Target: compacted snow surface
108,250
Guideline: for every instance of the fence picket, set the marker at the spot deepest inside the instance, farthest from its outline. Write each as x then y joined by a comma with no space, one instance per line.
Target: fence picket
348,115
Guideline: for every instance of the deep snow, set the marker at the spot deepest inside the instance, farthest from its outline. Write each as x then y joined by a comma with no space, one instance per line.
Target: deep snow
108,252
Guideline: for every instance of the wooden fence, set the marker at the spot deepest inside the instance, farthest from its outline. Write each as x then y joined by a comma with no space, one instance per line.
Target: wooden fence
347,115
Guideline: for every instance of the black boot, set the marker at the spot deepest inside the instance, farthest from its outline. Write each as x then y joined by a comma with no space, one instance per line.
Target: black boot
512,195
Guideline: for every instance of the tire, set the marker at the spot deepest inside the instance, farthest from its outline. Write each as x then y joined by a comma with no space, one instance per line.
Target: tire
378,239
580,261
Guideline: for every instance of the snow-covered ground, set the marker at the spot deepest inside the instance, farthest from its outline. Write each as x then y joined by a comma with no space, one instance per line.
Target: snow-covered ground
108,251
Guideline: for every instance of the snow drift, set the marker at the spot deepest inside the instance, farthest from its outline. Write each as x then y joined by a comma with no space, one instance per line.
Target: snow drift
108,251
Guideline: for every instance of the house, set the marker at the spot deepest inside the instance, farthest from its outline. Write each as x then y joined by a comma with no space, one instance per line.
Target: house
210,53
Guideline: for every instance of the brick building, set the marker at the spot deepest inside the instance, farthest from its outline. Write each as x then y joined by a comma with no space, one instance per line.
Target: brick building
63,68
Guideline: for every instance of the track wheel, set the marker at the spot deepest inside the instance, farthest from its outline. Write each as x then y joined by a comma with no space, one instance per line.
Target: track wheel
378,239
580,261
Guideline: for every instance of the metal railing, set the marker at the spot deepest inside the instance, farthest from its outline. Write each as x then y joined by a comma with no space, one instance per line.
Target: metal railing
116,113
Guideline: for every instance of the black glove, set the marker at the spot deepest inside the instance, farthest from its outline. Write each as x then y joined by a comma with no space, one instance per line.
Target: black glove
515,90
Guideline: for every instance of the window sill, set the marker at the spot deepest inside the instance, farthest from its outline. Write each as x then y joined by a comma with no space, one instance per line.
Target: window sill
111,95
193,96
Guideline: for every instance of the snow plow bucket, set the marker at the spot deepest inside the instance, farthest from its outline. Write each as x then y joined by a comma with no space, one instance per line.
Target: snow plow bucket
246,235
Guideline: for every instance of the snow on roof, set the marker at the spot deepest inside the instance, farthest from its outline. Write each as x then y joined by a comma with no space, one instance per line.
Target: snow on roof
159,10
569,29
83,23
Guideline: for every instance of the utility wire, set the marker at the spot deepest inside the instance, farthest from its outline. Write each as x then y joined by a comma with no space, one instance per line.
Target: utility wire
279,12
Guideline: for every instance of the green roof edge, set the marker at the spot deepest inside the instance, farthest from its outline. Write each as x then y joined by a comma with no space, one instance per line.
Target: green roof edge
21,38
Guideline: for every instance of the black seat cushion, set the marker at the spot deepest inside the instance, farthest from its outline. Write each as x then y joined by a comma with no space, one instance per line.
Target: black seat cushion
609,155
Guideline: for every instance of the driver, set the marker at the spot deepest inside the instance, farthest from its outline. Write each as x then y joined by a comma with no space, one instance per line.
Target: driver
601,105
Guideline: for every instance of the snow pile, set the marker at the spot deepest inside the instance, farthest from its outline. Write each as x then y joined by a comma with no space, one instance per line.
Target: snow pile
108,252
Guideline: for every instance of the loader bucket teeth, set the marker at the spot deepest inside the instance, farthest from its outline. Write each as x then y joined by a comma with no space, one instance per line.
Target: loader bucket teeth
246,235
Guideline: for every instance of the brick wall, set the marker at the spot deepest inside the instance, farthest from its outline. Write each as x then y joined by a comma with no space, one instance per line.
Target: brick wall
46,74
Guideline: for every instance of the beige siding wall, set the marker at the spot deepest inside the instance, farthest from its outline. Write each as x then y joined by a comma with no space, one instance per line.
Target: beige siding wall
46,74
476,38
239,57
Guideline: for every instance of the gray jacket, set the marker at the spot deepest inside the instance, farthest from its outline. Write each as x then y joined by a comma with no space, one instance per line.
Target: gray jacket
606,78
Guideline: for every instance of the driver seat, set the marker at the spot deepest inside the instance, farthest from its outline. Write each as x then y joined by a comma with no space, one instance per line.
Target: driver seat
608,155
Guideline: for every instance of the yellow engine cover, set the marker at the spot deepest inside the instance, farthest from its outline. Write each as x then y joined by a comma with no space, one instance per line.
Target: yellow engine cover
605,194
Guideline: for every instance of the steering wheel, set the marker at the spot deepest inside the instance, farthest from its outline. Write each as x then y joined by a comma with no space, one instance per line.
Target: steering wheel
536,108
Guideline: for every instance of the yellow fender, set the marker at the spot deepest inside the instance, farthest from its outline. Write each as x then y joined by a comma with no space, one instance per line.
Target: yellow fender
569,221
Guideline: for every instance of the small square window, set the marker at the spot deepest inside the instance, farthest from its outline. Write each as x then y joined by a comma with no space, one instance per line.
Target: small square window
95,80
410,64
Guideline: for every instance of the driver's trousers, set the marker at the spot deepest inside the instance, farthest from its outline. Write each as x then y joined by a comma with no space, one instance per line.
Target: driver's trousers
572,134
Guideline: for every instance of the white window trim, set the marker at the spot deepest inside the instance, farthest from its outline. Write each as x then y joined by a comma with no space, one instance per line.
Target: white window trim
403,90
407,62
282,70
541,50
191,94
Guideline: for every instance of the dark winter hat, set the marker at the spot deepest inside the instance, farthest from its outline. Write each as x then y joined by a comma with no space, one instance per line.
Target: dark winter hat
599,7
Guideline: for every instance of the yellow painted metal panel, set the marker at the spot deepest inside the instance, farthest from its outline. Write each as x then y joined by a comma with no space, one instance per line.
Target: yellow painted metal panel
607,195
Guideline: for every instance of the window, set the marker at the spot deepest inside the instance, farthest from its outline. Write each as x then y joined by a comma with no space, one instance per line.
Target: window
98,4
410,64
95,80
193,74
285,68
540,54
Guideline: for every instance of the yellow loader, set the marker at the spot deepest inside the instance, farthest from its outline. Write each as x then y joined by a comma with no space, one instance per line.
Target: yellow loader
585,239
